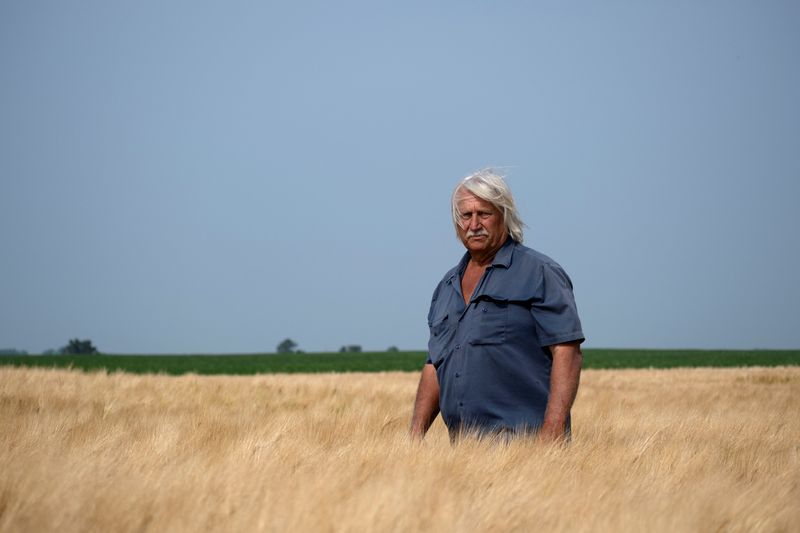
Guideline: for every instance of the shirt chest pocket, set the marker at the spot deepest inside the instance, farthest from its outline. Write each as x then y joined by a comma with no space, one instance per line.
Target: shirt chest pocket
491,322
440,339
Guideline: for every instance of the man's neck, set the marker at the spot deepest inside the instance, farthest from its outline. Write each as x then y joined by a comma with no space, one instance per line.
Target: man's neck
482,260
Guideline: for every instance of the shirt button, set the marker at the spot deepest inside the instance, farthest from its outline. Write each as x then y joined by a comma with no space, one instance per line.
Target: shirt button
461,404
458,346
484,309
458,375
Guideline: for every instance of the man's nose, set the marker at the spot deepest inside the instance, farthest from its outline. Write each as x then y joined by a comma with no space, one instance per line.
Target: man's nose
474,222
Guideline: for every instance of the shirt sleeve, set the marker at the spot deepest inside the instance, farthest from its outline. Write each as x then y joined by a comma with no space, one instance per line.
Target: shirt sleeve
554,310
429,360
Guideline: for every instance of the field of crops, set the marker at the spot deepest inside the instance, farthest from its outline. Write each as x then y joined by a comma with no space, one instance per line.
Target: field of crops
384,361
691,449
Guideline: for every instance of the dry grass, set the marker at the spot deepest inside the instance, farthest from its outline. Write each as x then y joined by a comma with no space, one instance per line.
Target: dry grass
653,450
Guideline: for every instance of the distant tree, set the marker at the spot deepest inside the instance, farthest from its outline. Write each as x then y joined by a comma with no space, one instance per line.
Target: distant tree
286,346
79,347
13,351
350,348
392,349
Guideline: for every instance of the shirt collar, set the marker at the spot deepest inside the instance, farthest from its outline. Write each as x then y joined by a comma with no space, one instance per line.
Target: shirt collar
501,258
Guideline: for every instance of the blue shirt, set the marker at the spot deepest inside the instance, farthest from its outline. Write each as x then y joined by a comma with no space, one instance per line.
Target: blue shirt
491,356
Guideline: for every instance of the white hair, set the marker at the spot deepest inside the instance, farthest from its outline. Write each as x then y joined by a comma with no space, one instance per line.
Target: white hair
487,185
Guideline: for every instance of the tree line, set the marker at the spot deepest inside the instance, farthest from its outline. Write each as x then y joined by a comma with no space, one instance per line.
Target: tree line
289,346
73,347
85,347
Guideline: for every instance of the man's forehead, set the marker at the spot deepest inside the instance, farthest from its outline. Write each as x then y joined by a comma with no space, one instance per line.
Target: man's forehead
465,197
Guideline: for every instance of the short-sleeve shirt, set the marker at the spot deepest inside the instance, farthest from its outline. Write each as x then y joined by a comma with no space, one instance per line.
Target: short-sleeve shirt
491,356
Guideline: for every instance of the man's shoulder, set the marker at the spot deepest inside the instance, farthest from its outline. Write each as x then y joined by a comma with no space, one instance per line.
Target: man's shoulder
456,269
535,266
526,257
453,272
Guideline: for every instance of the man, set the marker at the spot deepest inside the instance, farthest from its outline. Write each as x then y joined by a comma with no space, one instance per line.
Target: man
504,352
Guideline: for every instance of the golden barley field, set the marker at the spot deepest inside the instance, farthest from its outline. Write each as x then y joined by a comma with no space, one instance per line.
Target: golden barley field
652,450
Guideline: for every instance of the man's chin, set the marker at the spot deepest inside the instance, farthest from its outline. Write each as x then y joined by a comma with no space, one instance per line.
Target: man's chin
476,246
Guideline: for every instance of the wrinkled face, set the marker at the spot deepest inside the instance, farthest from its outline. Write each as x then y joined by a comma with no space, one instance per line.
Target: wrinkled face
481,226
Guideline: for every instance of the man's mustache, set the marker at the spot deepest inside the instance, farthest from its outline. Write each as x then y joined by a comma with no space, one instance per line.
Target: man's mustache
479,233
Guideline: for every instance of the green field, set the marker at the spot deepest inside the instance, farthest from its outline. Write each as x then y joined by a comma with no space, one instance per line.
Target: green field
383,361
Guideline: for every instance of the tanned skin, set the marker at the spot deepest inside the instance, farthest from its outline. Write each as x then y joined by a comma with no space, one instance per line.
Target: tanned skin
483,232
426,406
565,375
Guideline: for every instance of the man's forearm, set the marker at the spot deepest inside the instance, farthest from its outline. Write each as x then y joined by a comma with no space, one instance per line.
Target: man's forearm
426,406
564,378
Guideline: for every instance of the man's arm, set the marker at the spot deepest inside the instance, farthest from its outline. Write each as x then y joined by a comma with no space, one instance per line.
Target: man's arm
564,377
426,406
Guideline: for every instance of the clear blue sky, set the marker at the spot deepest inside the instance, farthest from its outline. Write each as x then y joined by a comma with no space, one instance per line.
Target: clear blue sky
217,176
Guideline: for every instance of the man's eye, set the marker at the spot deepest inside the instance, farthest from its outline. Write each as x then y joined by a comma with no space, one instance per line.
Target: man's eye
484,216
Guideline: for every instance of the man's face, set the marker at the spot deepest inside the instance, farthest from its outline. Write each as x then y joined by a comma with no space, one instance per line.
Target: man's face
481,227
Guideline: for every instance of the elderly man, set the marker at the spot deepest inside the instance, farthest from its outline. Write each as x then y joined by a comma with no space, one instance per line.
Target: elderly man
504,352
